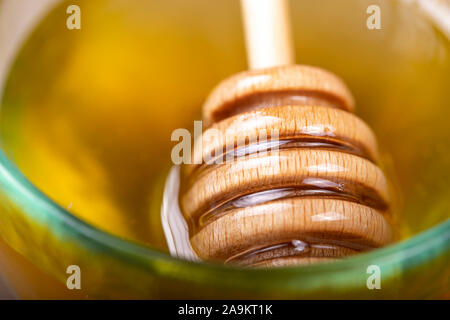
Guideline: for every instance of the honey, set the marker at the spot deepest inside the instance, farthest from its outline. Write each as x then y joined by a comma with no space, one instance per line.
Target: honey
94,134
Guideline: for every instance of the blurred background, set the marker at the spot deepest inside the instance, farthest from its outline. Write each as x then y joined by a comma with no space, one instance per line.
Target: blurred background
87,114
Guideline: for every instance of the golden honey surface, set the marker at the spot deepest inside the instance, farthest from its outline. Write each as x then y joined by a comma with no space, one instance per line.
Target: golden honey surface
94,134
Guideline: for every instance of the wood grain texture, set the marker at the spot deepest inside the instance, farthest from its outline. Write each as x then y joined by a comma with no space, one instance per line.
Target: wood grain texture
280,221
287,122
292,78
247,202
288,167
291,261
296,252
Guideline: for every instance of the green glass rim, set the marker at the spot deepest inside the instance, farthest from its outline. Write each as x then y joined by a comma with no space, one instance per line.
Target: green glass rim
423,246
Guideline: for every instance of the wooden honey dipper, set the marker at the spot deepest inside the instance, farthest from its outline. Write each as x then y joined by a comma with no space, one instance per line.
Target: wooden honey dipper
289,174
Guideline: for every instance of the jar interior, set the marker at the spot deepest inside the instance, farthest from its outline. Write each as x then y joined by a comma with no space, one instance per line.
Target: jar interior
87,115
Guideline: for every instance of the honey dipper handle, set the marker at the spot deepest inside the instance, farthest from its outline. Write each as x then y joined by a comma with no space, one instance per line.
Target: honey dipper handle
267,33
